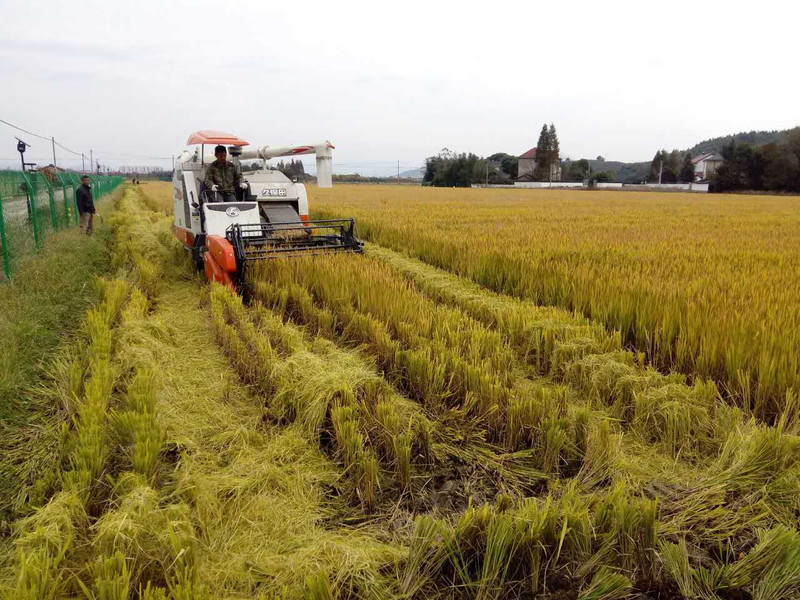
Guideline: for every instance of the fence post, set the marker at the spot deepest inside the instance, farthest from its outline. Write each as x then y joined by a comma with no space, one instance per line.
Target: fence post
65,197
73,177
53,218
34,212
6,263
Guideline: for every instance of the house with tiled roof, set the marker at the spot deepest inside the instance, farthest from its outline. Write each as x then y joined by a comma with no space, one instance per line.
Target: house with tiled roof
527,167
705,165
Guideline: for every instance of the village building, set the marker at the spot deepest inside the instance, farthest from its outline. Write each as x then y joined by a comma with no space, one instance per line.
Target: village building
527,167
705,165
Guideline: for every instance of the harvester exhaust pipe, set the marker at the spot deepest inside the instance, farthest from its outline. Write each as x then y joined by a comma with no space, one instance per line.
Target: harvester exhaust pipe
324,173
321,149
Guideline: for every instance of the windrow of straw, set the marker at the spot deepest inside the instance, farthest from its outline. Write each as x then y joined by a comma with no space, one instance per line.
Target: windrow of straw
330,393
439,362
544,545
684,419
702,285
251,506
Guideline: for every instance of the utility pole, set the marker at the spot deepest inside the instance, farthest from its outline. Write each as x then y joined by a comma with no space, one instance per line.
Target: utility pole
91,160
660,170
83,164
53,141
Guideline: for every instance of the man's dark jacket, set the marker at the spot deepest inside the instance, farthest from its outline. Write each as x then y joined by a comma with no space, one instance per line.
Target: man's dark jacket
85,202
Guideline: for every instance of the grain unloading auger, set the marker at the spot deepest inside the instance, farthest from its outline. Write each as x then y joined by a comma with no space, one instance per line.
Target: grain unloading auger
268,217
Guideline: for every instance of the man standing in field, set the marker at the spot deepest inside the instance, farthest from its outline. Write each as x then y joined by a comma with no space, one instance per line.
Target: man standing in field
223,177
86,206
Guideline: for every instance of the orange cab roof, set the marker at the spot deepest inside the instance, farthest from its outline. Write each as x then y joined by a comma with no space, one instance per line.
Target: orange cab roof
209,136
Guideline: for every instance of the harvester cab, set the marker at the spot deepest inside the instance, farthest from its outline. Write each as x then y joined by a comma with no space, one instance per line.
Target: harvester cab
267,219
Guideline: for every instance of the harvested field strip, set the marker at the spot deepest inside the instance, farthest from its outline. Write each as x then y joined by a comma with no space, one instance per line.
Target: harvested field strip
265,501
187,494
259,497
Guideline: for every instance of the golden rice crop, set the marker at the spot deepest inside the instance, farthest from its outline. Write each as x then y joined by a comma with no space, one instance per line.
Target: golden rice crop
564,381
702,284
157,196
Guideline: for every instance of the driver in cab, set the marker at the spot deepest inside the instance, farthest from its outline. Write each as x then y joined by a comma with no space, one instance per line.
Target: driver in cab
223,177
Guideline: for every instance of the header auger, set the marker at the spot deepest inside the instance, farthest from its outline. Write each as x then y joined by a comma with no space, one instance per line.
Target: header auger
267,218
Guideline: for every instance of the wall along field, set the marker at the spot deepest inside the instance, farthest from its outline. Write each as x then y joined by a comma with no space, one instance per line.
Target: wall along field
379,426
702,284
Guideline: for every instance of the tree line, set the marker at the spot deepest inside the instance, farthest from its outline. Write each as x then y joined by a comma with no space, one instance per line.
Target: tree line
671,167
452,169
773,167
291,168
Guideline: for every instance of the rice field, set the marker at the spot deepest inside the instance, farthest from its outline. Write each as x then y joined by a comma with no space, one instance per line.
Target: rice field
701,284
391,426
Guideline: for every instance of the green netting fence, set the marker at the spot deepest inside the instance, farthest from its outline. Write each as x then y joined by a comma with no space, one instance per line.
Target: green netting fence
35,203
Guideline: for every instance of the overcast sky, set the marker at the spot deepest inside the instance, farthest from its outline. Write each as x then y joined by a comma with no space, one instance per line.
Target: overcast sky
388,81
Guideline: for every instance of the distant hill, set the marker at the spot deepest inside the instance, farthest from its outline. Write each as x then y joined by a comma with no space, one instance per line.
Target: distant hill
757,138
638,171
626,172
411,174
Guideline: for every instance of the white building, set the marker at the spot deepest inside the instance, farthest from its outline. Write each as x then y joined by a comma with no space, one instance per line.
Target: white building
705,165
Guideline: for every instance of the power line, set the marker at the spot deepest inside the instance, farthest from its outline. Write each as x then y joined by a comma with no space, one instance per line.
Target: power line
127,156
81,154
361,164
41,137
40,159
67,149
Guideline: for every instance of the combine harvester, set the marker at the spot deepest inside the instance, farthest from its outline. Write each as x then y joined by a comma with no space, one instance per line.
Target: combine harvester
268,219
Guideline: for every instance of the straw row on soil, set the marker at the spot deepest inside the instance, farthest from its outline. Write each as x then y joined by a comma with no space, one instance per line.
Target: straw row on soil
702,285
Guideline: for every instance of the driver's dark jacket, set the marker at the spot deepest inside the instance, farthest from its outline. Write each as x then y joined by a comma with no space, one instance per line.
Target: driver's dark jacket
224,175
